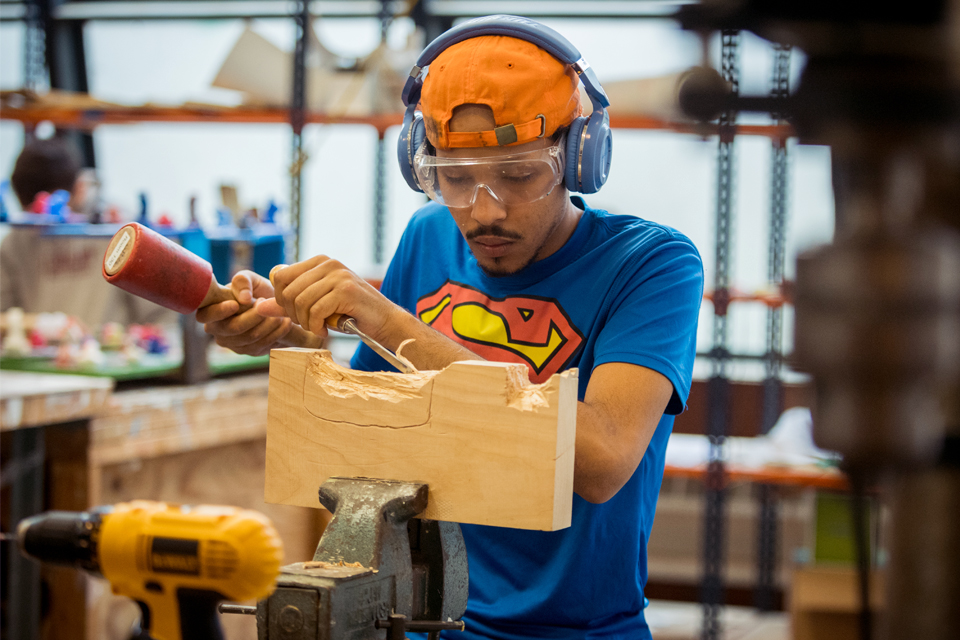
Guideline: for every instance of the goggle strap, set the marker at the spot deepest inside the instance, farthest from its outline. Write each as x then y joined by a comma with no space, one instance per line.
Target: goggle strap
503,136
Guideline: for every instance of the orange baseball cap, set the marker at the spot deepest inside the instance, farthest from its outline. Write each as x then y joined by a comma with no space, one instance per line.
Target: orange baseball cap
531,93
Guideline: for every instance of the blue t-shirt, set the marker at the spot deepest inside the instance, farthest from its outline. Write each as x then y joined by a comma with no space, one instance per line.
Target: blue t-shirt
621,289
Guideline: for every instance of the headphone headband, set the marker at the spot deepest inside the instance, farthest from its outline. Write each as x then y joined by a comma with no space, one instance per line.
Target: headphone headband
514,27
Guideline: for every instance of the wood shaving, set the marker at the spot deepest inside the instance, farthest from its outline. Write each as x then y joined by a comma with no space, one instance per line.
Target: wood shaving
404,360
322,564
346,383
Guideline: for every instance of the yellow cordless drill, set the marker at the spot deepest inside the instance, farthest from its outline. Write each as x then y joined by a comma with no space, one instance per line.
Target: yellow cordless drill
176,561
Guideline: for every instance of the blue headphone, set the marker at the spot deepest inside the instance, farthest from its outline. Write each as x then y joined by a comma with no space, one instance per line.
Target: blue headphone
589,143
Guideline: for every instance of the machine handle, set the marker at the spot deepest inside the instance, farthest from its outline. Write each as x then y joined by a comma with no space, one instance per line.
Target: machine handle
199,619
397,624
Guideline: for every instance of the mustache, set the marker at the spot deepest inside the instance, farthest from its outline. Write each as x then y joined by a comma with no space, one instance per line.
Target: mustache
495,230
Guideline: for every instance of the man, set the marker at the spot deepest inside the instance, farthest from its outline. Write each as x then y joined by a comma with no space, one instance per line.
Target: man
46,166
514,269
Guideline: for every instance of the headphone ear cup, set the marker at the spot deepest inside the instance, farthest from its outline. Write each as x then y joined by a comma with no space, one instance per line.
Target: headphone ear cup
412,134
572,155
597,152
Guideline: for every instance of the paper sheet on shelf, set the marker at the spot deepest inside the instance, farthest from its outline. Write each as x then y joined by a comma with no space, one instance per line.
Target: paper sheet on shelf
789,444
263,72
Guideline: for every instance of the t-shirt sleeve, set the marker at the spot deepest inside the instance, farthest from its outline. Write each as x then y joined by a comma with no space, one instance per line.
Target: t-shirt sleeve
652,321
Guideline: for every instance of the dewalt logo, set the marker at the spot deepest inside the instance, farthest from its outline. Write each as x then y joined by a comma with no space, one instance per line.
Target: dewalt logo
175,555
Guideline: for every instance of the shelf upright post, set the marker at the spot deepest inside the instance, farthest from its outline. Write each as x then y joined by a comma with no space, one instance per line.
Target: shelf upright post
379,200
718,388
35,75
767,495
298,107
432,24
55,47
380,178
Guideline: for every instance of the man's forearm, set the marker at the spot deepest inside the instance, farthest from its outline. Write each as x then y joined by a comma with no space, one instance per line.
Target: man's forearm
615,423
604,459
430,349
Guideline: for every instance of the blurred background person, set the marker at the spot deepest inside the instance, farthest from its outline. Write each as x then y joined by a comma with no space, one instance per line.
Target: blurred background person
42,272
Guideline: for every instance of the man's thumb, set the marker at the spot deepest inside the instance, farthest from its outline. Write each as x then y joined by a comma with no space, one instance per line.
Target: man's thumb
242,285
270,308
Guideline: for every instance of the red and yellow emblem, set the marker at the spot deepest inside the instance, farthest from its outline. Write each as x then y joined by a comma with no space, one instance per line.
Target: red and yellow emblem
534,331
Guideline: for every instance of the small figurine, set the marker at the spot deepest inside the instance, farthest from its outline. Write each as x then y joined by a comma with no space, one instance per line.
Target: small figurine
143,218
37,341
39,204
67,355
111,336
51,326
224,217
4,190
269,216
16,344
58,205
194,222
89,354
112,214
150,338
132,353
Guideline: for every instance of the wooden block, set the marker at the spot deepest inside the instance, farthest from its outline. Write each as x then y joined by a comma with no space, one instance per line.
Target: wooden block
825,602
495,449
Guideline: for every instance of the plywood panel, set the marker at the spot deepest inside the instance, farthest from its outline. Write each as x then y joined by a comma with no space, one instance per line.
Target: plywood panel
494,448
825,602
159,421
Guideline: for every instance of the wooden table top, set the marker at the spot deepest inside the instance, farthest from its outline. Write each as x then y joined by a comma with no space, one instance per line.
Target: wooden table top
35,399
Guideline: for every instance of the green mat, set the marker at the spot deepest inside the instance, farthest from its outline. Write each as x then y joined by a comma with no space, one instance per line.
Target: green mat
151,366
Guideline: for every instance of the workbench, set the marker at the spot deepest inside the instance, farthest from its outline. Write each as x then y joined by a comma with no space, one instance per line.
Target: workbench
91,444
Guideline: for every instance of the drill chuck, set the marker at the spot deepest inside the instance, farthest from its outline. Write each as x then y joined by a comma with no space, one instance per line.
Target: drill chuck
62,537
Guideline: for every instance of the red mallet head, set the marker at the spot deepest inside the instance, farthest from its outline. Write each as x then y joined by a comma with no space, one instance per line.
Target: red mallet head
146,264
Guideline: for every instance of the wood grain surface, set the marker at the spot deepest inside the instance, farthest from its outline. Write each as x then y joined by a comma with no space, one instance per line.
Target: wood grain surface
494,448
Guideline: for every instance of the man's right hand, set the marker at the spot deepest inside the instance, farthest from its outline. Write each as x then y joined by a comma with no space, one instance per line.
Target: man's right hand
244,331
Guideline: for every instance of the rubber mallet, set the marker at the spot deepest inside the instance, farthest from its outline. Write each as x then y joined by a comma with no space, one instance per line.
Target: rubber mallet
146,264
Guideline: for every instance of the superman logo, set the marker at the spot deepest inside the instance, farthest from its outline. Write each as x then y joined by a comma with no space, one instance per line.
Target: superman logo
531,330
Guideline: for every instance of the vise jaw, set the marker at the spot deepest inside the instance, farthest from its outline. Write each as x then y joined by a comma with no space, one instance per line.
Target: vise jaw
374,561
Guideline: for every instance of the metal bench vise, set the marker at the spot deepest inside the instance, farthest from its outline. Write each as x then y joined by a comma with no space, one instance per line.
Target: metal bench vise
376,568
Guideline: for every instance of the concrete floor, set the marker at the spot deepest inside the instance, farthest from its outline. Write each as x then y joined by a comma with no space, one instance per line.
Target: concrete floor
682,621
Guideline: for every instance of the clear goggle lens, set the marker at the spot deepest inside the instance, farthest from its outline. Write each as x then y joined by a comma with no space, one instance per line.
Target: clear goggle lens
517,178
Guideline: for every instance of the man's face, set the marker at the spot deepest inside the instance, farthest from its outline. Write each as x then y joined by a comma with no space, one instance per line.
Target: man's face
506,238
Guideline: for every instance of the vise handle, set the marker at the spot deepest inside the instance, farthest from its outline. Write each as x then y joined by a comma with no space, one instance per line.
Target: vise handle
397,624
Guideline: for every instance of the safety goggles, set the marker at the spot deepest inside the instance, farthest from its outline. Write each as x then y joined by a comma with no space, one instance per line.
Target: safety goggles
518,178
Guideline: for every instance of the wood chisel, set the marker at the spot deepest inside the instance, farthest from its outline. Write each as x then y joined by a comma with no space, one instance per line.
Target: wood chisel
346,324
